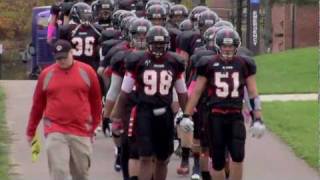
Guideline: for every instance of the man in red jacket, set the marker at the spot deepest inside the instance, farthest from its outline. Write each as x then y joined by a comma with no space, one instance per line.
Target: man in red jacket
68,99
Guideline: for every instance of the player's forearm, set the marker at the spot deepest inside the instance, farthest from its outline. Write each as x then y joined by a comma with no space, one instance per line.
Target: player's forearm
195,95
108,108
254,98
118,110
191,104
183,99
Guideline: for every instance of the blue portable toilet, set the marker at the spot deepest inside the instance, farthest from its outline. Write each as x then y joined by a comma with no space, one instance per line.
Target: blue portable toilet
41,55
43,49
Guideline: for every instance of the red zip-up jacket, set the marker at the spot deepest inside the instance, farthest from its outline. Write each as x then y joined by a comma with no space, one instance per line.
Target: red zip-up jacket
69,101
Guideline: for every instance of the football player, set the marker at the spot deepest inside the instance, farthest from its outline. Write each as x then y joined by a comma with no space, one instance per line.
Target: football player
137,42
155,72
83,35
224,77
157,14
189,43
59,15
177,14
102,12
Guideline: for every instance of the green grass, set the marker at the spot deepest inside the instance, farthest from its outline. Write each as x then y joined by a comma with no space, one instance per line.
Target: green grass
292,71
4,160
297,124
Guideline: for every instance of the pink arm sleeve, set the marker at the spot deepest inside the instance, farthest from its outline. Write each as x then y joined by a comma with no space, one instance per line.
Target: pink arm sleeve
51,30
191,87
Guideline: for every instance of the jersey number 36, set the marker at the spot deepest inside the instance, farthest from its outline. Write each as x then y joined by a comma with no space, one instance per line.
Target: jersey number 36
84,46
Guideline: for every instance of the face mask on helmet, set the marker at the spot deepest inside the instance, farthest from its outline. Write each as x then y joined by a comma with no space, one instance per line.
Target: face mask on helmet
158,40
86,17
158,49
228,51
203,26
158,21
177,19
105,15
227,40
139,40
209,38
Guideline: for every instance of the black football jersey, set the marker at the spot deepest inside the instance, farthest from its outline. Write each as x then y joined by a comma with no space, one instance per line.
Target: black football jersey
194,63
118,61
173,33
120,46
226,79
155,78
189,41
85,42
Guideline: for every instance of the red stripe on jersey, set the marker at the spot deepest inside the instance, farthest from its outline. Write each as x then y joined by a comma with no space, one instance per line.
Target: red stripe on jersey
108,72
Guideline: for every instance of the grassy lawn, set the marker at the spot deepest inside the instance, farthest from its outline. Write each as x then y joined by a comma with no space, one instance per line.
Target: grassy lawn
297,124
292,71
4,168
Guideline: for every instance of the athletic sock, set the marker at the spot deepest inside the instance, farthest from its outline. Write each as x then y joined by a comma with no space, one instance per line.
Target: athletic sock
205,175
196,158
185,155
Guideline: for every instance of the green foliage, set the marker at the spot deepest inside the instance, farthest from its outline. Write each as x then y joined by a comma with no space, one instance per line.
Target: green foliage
4,160
297,124
292,71
15,17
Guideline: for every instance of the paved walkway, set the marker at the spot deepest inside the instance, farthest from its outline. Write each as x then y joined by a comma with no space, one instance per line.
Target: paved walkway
266,159
289,97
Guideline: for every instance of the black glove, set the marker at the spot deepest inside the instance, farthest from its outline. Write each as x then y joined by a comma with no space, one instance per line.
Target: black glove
106,126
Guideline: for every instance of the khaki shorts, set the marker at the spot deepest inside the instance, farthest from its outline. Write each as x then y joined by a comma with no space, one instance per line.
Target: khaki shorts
68,155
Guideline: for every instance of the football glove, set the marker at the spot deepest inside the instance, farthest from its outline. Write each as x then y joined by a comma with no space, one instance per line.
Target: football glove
186,123
257,128
178,117
106,127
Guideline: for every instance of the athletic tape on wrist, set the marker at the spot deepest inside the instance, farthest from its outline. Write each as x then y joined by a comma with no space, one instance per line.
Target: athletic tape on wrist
255,103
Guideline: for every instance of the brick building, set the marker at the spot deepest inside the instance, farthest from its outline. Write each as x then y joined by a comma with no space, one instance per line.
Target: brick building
292,26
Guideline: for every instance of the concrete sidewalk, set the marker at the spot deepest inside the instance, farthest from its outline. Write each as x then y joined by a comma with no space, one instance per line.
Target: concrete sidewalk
266,159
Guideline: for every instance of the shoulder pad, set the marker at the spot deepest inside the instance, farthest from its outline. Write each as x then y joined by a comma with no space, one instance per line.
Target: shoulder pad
133,58
107,45
117,57
243,51
64,31
197,56
203,61
115,49
250,65
174,31
249,60
177,60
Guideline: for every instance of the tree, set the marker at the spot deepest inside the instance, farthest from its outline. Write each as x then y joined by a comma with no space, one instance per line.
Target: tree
15,20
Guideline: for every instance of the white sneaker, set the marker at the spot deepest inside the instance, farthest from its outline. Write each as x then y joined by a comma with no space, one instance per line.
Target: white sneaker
195,177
